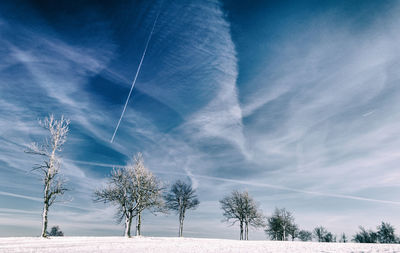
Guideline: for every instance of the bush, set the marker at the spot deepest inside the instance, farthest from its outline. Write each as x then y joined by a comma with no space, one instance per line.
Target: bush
55,231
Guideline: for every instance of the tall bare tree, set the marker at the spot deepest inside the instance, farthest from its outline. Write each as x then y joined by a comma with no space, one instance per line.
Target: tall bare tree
54,185
132,189
180,198
240,207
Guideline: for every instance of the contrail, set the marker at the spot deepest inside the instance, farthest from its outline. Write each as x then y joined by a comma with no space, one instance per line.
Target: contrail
137,73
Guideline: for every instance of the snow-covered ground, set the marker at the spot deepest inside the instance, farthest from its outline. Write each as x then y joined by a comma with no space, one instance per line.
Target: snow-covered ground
177,245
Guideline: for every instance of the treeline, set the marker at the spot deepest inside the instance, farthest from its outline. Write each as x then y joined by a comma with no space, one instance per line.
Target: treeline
241,208
132,189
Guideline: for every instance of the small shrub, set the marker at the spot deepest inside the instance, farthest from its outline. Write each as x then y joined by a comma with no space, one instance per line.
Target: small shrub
55,231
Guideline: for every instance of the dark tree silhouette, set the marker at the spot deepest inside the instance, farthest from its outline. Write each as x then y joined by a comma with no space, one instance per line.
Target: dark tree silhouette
280,225
364,236
305,235
180,198
343,238
386,233
319,233
293,231
55,231
329,237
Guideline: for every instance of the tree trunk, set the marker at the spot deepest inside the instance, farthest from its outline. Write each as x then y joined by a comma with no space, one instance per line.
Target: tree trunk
181,228
181,218
284,233
247,231
241,230
44,219
45,208
138,223
128,223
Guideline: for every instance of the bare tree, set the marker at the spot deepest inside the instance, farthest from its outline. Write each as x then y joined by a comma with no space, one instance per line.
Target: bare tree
54,185
320,233
274,228
181,197
120,192
343,238
240,207
280,224
305,235
286,223
293,231
132,189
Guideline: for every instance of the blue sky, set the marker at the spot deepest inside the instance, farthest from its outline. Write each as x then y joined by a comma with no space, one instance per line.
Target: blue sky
296,102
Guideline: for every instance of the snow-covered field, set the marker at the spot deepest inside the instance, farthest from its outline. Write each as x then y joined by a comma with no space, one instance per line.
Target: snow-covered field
177,245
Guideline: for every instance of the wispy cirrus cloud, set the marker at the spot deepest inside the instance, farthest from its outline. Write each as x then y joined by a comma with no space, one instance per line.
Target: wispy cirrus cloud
54,74
320,93
316,126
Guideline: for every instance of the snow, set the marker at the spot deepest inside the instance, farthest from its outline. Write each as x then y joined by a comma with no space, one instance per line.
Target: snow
177,245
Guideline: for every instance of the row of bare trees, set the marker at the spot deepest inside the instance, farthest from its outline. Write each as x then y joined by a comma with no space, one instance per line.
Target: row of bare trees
132,188
240,207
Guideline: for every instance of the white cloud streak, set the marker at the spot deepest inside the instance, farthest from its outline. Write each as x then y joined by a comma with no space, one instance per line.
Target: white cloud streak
10,194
